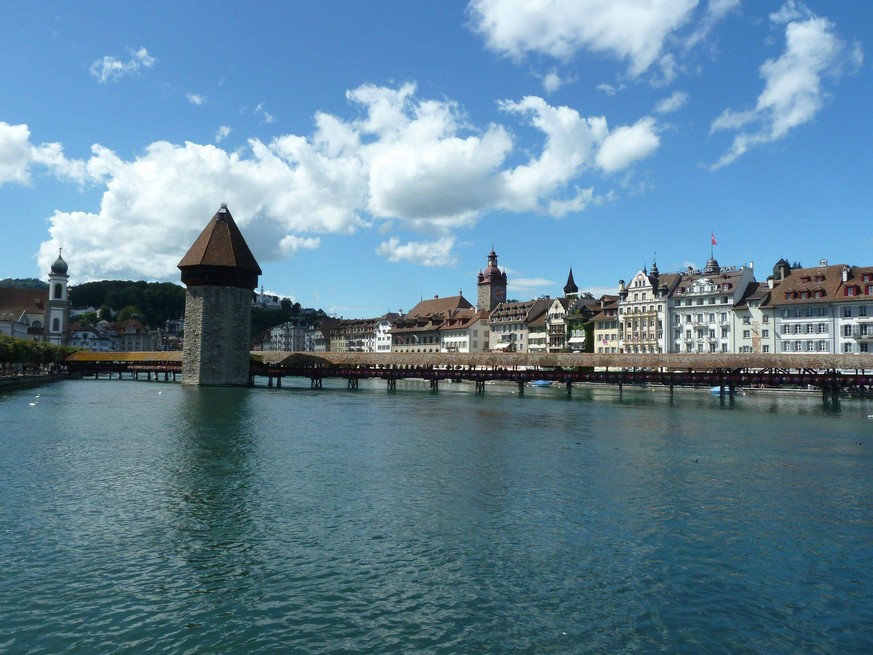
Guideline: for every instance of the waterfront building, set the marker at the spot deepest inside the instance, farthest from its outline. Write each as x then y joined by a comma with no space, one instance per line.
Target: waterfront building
702,309
491,285
382,337
465,331
828,308
126,336
537,335
287,337
854,308
220,274
580,321
556,324
318,335
419,331
92,337
22,312
752,321
804,308
643,311
511,324
606,326
363,335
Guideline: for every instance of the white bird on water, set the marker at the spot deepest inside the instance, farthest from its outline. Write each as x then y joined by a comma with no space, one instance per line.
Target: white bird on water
32,404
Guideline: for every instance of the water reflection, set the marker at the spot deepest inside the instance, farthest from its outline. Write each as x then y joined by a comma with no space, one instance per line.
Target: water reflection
215,531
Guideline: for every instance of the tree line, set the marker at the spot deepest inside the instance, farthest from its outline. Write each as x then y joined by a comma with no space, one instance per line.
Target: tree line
15,351
151,303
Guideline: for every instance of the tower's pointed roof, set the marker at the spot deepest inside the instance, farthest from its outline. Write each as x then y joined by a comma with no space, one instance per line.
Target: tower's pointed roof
221,244
570,287
220,256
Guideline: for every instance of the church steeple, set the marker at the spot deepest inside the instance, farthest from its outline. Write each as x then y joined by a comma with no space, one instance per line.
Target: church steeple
570,289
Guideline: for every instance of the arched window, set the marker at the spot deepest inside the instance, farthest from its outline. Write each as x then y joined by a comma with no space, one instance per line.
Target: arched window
59,291
56,325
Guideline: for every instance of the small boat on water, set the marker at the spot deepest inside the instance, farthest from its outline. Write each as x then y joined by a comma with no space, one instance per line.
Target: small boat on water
542,383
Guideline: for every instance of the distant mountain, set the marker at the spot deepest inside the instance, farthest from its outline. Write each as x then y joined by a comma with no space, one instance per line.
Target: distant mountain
22,283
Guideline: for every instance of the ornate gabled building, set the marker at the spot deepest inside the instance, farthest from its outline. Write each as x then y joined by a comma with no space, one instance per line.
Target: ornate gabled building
643,311
220,273
491,285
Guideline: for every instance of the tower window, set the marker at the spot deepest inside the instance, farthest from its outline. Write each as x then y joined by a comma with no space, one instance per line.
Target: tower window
59,291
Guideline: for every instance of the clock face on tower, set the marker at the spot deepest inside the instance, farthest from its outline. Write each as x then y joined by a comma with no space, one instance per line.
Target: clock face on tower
498,293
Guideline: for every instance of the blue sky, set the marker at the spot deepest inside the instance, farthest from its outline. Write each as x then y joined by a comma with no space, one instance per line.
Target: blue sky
372,152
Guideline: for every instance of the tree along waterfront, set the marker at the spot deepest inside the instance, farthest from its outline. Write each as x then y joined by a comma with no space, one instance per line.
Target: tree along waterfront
20,356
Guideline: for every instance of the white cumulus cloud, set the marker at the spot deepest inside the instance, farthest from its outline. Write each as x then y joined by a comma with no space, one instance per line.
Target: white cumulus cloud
18,156
629,30
403,163
628,144
426,253
196,98
110,69
794,91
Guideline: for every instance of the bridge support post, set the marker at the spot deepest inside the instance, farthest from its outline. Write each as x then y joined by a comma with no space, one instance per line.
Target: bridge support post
480,386
520,387
392,384
434,384
279,382
569,389
315,383
352,383
269,381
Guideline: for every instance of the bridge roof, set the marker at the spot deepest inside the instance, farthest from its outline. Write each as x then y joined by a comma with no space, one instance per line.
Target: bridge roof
569,360
84,356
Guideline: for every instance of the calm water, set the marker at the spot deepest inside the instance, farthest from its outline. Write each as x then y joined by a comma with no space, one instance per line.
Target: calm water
148,518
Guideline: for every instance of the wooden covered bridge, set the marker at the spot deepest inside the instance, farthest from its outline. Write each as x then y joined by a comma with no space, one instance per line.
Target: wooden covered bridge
832,374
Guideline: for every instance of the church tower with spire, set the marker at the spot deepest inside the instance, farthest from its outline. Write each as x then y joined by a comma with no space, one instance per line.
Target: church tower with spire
570,289
57,315
492,285
220,273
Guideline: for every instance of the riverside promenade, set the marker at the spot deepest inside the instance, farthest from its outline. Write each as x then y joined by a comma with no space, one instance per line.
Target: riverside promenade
832,374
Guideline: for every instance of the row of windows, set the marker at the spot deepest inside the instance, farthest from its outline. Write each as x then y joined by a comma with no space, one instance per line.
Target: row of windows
724,300
806,345
805,328
848,312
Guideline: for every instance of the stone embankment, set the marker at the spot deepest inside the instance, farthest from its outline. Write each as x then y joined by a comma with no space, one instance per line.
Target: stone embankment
11,382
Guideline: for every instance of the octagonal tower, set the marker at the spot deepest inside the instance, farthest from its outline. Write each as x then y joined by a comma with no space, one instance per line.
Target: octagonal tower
220,273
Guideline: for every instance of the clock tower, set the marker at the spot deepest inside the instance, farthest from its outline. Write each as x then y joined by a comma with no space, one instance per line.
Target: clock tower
492,285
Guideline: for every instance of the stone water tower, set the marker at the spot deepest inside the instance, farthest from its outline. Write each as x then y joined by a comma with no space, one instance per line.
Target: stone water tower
220,273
